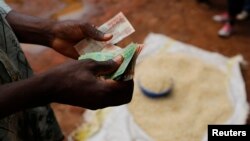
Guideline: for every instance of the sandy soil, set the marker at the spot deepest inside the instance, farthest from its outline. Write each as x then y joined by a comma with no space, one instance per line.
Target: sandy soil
186,21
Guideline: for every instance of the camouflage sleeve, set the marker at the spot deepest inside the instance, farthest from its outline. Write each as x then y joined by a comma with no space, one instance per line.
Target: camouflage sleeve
40,124
5,7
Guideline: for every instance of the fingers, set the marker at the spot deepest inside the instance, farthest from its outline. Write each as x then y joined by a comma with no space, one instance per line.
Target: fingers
121,92
65,48
107,67
92,32
118,59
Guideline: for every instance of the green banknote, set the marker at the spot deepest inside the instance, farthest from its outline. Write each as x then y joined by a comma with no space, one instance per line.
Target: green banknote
98,56
127,53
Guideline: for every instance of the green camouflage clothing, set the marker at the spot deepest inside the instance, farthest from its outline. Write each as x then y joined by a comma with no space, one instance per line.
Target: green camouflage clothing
37,124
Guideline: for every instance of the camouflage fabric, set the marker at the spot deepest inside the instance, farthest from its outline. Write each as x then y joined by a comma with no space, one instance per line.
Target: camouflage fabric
37,124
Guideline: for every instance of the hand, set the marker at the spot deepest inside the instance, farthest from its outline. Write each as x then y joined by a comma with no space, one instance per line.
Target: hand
68,33
61,36
77,83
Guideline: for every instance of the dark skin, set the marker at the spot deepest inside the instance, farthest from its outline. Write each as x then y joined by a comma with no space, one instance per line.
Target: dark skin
76,82
61,36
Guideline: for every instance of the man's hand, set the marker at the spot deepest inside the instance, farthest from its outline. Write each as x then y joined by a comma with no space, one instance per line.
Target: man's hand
76,83
61,36
68,33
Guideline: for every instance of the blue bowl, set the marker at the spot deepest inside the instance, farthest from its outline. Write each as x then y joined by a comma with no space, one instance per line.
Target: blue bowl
152,94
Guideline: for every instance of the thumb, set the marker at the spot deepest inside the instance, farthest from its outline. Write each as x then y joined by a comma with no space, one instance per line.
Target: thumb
107,67
92,32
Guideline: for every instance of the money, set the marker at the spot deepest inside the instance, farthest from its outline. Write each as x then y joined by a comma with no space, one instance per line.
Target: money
118,26
129,53
98,56
129,73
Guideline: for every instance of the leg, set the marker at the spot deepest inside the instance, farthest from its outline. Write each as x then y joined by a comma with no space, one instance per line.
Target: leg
247,6
234,8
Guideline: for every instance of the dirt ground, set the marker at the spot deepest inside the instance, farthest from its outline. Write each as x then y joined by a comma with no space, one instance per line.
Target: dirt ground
183,20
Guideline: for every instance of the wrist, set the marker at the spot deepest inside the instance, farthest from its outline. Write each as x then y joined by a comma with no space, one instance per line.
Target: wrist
40,86
47,35
30,29
52,86
49,89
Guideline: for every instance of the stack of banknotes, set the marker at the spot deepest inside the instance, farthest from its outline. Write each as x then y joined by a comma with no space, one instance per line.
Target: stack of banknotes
120,27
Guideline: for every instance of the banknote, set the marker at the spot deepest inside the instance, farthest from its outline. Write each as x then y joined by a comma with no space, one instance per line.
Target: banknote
129,53
129,73
118,26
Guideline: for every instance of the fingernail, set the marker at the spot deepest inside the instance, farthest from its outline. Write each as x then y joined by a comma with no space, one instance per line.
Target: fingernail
118,59
108,35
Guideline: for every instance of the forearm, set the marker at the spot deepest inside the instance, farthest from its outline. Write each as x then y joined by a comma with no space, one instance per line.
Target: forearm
29,29
23,94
